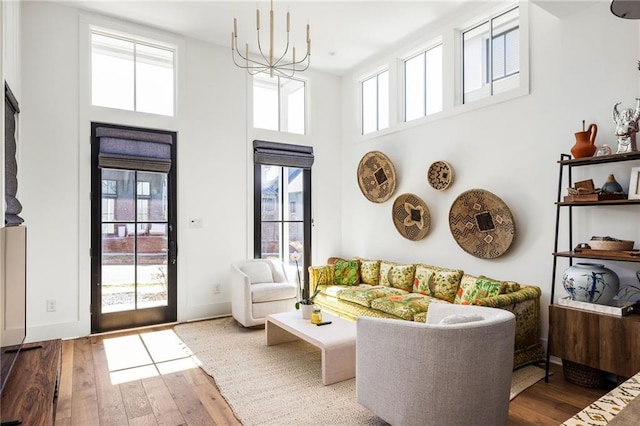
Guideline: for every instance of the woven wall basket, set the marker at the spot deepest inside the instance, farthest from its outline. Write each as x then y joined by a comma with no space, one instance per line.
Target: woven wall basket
376,177
411,217
482,224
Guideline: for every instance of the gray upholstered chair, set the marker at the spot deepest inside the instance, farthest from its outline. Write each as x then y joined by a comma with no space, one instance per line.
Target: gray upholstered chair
260,287
458,373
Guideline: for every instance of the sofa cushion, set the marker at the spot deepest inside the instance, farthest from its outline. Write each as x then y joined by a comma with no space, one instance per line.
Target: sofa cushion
268,292
474,288
321,275
346,273
460,319
364,293
369,271
404,306
401,276
258,272
438,282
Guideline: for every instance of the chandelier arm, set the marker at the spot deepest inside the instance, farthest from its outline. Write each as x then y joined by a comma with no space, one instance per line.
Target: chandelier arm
252,61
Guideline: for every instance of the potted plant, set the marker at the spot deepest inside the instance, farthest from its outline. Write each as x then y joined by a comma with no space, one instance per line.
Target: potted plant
306,302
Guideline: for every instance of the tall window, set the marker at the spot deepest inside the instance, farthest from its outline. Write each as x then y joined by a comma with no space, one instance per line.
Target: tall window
279,103
131,75
423,84
491,56
282,203
375,102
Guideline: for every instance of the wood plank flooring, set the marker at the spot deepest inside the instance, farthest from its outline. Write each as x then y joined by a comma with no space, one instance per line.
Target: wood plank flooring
110,380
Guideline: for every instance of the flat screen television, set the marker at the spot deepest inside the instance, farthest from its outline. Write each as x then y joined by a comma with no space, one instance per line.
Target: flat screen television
13,297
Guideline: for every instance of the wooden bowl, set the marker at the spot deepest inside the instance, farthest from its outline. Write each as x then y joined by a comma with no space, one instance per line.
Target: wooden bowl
611,245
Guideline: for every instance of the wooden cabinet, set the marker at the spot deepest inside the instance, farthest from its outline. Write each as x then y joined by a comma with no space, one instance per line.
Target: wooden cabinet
601,341
31,392
606,342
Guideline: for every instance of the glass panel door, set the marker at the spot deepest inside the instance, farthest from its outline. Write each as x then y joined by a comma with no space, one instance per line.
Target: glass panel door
134,240
133,246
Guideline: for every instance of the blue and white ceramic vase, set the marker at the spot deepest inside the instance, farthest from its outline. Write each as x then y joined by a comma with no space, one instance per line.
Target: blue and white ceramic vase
590,282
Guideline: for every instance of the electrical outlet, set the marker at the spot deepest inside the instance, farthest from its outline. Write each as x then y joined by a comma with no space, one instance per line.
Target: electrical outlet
51,305
216,289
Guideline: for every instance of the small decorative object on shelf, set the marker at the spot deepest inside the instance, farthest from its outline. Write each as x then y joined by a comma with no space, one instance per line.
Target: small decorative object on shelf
585,145
585,191
611,186
590,282
626,127
634,184
603,150
609,243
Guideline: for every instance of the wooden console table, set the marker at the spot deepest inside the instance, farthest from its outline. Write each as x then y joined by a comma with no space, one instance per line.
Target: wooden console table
606,342
30,395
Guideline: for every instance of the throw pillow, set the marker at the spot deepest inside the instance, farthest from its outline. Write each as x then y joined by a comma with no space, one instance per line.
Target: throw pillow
481,289
401,276
385,267
437,282
460,319
320,275
421,280
507,286
369,271
346,273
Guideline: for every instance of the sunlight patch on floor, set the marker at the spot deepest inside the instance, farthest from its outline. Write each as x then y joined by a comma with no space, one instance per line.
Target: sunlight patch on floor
146,355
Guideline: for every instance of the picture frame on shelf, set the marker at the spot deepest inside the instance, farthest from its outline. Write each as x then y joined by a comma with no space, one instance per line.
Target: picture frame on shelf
634,184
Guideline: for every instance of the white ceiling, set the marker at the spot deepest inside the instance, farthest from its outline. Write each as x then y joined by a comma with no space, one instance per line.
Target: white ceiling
343,32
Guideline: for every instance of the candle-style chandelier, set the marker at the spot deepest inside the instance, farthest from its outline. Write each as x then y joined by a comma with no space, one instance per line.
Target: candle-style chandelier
280,65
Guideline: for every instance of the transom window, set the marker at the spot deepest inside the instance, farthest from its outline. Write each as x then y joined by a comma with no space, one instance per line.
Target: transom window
375,102
279,103
491,56
423,84
131,75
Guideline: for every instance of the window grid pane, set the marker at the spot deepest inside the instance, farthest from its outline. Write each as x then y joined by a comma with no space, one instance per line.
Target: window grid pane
131,76
369,105
434,80
383,100
414,87
491,57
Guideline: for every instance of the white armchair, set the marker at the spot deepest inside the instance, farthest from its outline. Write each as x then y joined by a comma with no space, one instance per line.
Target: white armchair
458,373
260,287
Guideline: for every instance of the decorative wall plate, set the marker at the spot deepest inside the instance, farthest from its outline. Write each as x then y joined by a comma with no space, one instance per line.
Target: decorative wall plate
440,175
482,224
411,217
376,177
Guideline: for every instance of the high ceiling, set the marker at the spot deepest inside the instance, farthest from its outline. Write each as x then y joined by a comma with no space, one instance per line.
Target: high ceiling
343,32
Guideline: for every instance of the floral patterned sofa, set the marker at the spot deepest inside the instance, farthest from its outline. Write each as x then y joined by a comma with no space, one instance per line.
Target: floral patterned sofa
379,288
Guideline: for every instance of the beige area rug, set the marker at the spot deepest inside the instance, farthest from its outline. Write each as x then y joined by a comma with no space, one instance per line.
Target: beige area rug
282,384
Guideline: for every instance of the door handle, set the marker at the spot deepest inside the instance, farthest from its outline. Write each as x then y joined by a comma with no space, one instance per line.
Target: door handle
173,252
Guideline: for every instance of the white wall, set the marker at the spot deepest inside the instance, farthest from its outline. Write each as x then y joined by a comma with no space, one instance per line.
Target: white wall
581,66
214,169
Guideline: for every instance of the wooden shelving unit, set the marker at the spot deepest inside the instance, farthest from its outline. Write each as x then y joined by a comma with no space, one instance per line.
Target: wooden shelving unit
569,326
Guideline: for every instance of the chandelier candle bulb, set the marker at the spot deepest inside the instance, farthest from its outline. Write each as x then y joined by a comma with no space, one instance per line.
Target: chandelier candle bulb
288,22
258,19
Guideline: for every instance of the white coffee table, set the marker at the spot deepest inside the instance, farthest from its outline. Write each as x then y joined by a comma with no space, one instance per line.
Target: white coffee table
337,341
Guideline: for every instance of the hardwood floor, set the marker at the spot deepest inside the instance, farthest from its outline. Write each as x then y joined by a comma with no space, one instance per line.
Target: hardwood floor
145,377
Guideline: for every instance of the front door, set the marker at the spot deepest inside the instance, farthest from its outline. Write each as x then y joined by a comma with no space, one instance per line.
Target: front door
133,243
